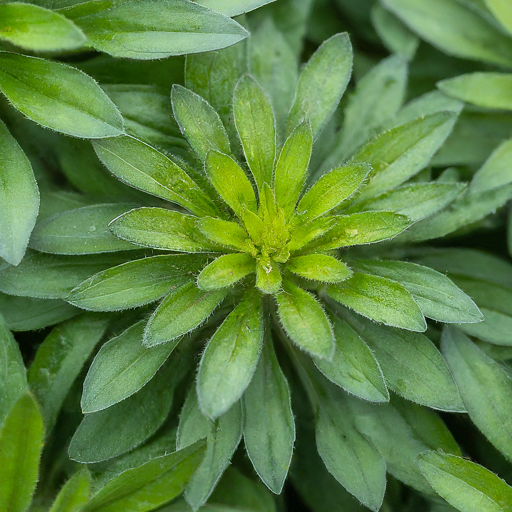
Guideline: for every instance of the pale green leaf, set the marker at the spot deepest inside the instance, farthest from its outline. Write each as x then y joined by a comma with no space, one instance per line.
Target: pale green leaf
225,271
227,233
495,173
319,267
233,7
75,493
502,10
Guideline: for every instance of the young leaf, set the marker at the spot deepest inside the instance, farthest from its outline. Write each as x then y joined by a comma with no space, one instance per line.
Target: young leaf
268,276
400,153
180,312
13,378
231,183
495,173
331,190
58,97
485,388
135,283
322,83
122,367
255,124
230,358
147,169
162,229
81,231
223,436
233,7
303,234
150,485
353,366
225,271
269,427
437,296
227,233
199,122
34,28
305,321
292,167
140,29
21,443
412,365
75,493
455,29
467,486
20,199
319,267
60,359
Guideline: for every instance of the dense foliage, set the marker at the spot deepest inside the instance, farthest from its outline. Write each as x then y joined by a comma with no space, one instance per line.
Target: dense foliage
295,236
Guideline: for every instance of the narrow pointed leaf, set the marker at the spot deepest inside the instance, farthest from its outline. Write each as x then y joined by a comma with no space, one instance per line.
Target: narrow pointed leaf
199,122
322,83
145,168
21,443
233,7
331,190
305,321
485,388
20,199
58,97
230,358
162,229
226,271
464,484
140,29
226,233
81,231
135,283
231,183
269,427
495,172
303,234
60,359
255,124
180,312
34,28
319,267
75,493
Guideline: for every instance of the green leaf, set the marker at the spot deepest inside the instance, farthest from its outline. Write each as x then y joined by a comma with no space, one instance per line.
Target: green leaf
58,97
49,276
416,201
162,229
412,365
400,431
227,233
255,124
467,486
437,296
353,366
269,427
502,11
140,29
230,358
495,173
21,443
199,122
34,28
13,378
268,276
454,29
113,431
60,359
319,267
20,199
400,153
150,485
81,231
225,271
223,436
122,367
303,234
231,183
135,283
485,387
359,229
305,321
75,493
322,83
180,312
233,7
488,90
147,169
292,167
331,190
348,455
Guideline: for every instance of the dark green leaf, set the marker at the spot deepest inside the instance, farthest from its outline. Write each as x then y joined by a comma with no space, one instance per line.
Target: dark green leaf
226,271
75,493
